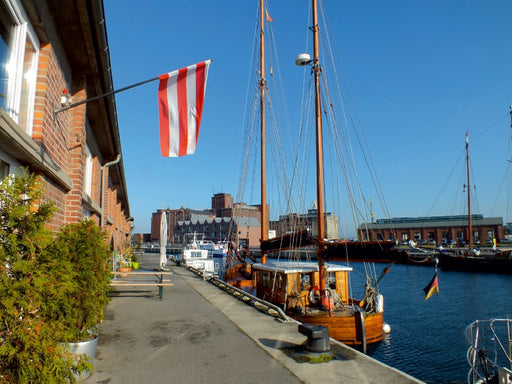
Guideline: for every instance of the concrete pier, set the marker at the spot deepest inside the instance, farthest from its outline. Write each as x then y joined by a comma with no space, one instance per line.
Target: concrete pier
199,333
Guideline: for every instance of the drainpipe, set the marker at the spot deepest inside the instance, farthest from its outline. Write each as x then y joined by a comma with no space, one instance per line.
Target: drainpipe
103,188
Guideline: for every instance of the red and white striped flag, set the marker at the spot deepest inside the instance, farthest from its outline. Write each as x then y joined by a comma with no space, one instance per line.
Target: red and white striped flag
180,104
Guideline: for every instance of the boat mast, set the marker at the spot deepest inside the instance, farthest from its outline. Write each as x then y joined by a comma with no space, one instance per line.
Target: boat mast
264,218
470,227
319,151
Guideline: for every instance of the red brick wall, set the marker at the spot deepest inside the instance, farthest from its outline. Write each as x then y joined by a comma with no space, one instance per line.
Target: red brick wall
63,137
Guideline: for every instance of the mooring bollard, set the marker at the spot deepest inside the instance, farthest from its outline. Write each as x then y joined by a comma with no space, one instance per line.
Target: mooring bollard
318,337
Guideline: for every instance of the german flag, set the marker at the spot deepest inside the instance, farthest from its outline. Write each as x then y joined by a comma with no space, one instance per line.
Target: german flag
432,287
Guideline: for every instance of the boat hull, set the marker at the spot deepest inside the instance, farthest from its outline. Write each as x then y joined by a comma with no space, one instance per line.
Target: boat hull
493,264
360,332
375,251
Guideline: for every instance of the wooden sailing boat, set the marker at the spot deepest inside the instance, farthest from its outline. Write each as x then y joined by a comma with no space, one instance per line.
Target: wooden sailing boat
311,292
470,258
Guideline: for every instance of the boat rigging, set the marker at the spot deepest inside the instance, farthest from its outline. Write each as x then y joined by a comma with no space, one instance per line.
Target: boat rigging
316,292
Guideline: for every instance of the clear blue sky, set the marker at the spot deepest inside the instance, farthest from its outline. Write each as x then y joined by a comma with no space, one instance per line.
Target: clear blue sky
421,72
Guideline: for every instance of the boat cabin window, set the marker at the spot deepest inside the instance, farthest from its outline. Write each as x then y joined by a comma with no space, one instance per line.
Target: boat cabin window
331,280
266,280
305,282
280,281
195,254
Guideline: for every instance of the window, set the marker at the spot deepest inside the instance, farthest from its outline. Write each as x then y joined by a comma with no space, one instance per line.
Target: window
331,280
88,172
19,50
266,280
196,254
4,170
305,282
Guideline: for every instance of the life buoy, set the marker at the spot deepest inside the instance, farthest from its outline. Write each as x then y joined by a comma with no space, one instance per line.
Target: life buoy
314,295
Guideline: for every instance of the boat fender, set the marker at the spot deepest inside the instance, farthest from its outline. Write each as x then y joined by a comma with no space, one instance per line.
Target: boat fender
332,294
314,295
379,306
386,328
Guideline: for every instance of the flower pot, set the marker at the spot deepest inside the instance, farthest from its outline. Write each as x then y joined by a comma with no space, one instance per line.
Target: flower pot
124,269
87,348
135,264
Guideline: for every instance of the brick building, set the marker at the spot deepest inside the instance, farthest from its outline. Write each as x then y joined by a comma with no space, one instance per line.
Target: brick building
225,220
294,222
223,206
234,221
240,230
434,229
51,50
174,216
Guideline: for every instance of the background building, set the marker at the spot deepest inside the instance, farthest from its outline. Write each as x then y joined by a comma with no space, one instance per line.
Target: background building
434,229
225,220
294,222
174,216
237,222
240,230
54,54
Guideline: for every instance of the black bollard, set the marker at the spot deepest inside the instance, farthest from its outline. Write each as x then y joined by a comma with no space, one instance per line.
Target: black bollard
318,337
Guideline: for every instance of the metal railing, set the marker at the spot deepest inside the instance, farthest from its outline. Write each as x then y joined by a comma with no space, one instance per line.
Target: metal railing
247,298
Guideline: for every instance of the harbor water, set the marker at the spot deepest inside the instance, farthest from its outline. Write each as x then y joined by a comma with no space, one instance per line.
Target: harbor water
427,338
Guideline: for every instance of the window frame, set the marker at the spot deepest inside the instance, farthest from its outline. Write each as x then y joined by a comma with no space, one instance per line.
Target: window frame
16,74
88,171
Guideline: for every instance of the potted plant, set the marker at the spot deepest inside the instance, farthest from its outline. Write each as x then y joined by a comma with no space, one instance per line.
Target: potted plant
125,265
82,245
81,251
135,261
30,350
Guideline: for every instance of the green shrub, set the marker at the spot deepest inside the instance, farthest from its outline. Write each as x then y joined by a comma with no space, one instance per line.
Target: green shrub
82,249
29,352
53,289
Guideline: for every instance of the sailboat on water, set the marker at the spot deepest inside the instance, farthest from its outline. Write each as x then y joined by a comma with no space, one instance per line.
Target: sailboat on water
313,292
471,258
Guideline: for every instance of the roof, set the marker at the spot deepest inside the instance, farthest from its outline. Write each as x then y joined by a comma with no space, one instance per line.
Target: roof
432,221
82,33
298,267
247,221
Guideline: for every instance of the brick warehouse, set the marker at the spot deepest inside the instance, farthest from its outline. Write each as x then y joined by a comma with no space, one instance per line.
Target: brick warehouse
434,229
58,50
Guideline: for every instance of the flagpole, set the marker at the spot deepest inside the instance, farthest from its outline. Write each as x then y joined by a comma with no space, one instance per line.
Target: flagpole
104,95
